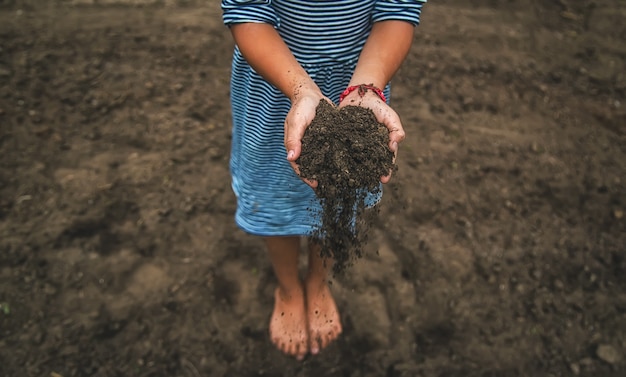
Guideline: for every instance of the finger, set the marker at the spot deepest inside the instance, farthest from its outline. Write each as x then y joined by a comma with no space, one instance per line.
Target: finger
294,147
293,140
296,123
391,120
396,132
311,182
386,179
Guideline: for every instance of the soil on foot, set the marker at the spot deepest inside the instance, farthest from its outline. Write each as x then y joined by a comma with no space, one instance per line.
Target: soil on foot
323,318
346,151
288,325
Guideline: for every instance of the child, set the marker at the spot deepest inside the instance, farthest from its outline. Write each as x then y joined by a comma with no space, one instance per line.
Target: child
289,55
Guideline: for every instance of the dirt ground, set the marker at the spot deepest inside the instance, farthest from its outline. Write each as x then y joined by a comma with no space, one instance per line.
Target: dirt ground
500,249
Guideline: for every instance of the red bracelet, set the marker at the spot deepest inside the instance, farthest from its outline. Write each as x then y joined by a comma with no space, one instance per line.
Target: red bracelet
362,89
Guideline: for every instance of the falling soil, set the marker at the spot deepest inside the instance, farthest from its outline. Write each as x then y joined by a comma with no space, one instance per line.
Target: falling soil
346,151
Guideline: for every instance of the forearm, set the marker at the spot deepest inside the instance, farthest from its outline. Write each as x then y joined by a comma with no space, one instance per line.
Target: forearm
385,50
267,53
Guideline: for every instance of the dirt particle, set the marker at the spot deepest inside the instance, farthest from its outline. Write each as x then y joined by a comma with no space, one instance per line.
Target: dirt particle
608,354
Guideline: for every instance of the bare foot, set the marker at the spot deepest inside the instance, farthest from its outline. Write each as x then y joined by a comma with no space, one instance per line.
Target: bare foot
323,317
288,329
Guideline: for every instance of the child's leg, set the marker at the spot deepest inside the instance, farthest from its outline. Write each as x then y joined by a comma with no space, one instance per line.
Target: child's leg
288,325
323,317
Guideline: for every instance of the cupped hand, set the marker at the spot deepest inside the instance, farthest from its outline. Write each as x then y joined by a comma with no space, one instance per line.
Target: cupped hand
384,114
298,118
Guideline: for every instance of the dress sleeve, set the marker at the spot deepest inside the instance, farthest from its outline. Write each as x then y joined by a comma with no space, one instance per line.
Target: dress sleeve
242,11
403,10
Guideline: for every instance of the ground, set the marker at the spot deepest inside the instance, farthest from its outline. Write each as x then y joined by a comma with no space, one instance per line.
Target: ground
500,249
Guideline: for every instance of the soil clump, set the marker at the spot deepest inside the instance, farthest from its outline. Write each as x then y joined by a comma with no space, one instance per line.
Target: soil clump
346,151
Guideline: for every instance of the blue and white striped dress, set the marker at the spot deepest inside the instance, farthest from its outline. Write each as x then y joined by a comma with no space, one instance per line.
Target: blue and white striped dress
326,37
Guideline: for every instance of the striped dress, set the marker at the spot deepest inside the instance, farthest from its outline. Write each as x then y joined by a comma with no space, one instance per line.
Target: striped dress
326,37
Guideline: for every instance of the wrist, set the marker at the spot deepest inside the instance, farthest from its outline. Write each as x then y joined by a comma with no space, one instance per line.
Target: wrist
362,90
304,88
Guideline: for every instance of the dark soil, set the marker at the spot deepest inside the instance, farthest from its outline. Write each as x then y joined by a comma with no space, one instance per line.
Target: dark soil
499,250
346,151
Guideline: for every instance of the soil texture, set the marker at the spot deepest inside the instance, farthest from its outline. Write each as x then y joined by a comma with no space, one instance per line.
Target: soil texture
346,151
499,249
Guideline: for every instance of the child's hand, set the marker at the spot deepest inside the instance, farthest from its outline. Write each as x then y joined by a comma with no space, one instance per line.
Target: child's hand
384,114
302,112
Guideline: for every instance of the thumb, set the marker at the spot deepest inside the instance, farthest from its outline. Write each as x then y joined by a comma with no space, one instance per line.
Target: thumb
293,150
293,142
391,120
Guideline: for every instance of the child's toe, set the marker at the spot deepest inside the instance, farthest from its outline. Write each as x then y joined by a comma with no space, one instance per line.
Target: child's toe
315,345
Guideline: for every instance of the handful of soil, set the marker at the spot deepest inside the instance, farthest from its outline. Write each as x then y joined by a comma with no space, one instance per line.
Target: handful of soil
346,151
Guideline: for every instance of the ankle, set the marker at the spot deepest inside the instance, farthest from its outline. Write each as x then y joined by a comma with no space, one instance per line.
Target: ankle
314,285
288,293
